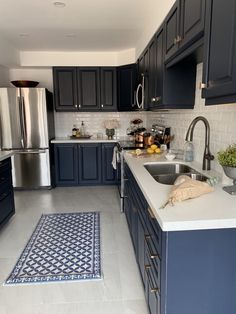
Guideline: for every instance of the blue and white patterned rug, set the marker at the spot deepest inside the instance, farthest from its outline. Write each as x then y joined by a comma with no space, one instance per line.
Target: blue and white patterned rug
62,247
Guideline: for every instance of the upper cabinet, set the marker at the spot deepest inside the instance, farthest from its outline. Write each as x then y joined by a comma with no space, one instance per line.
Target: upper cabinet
65,88
108,89
173,87
183,25
88,79
126,83
85,88
219,66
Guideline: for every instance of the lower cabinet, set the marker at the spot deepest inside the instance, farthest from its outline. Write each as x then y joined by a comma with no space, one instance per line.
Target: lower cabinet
84,164
7,205
183,272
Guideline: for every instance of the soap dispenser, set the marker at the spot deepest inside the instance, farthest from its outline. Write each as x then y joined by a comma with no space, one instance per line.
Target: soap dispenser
188,151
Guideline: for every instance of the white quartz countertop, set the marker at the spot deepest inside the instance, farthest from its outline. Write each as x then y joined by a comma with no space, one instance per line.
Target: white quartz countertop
5,155
78,140
215,210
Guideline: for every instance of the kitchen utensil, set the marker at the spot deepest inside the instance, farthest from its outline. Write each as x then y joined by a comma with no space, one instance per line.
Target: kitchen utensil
23,83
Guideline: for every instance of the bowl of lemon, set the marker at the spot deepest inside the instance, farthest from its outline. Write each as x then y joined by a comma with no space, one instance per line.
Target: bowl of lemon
154,149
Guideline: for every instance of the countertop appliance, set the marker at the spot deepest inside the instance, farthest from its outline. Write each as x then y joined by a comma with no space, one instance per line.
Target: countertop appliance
27,125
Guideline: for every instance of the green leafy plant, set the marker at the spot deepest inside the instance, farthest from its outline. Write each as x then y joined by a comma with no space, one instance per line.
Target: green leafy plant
227,157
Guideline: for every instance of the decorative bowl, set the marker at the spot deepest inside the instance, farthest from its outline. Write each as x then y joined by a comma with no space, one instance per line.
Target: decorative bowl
231,173
25,83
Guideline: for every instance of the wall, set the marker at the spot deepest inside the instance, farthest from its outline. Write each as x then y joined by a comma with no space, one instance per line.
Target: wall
222,119
64,58
4,77
9,55
64,121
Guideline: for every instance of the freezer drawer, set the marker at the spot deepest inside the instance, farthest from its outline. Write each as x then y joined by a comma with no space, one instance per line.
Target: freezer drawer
31,169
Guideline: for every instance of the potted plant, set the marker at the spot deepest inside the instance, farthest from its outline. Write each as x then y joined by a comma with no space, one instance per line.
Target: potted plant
227,159
110,126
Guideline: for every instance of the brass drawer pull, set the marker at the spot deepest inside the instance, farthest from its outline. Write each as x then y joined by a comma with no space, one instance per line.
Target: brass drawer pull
152,289
151,213
151,254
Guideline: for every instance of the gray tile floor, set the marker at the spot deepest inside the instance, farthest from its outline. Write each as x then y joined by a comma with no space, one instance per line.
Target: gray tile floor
120,291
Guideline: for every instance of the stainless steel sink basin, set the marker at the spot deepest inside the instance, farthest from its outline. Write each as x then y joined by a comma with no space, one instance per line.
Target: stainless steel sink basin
167,173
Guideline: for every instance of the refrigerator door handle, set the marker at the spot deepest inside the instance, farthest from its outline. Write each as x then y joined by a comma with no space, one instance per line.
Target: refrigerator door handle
35,151
24,121
21,122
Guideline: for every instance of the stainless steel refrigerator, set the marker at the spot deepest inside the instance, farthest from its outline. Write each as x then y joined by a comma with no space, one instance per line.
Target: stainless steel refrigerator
26,126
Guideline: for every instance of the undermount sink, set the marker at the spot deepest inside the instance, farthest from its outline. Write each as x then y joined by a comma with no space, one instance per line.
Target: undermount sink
167,173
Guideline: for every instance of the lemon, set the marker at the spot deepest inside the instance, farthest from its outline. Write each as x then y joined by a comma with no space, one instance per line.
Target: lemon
150,151
153,146
157,150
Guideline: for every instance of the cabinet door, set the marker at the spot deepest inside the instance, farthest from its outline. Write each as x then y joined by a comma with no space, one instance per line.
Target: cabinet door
66,169
146,79
156,70
152,72
7,205
89,163
88,88
172,31
108,172
219,60
192,20
108,89
65,88
126,86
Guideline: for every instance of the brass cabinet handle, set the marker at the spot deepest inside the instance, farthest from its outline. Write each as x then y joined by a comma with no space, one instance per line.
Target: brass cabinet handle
203,85
151,254
178,39
175,41
79,106
151,213
152,288
158,98
76,106
153,99
102,105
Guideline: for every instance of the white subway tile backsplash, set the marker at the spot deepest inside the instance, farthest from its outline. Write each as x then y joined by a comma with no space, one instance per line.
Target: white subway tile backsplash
64,121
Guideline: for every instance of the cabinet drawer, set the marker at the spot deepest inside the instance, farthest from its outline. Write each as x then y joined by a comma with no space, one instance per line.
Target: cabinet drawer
5,188
5,165
154,231
5,176
152,265
7,207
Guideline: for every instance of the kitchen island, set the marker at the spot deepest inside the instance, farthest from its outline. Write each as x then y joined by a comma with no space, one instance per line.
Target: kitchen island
186,254
7,205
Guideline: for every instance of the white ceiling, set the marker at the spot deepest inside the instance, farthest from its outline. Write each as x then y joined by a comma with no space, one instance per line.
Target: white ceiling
92,25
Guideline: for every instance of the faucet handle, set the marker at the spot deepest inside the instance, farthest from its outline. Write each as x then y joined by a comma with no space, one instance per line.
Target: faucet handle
209,156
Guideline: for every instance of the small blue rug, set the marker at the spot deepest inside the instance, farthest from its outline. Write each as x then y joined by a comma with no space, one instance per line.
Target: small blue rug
63,247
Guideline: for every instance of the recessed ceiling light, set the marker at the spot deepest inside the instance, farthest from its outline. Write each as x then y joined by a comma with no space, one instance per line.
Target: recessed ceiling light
70,35
24,34
59,4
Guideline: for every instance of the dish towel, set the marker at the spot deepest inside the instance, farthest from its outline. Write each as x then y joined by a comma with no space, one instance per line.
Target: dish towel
115,158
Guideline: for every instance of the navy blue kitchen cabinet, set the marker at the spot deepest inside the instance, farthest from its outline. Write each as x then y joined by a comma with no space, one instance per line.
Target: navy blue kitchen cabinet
108,89
88,79
182,271
84,164
66,166
7,205
219,66
109,174
172,87
65,88
184,25
85,88
126,84
90,163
